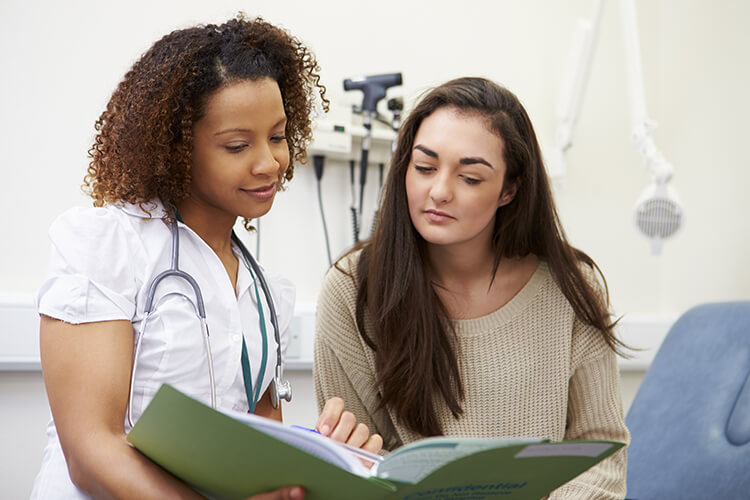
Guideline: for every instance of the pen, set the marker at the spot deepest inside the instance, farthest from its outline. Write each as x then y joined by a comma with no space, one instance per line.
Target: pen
372,457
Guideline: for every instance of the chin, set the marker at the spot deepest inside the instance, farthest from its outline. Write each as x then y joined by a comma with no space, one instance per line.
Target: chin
436,238
256,211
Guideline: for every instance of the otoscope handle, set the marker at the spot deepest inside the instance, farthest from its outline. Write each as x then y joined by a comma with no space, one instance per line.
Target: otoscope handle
373,87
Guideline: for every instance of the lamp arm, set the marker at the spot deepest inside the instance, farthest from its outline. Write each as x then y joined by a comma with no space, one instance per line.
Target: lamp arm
573,88
642,126
660,168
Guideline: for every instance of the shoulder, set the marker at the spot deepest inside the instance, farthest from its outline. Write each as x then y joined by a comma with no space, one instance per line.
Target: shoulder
550,289
337,300
95,223
95,261
552,310
105,241
544,291
83,232
341,278
87,220
590,342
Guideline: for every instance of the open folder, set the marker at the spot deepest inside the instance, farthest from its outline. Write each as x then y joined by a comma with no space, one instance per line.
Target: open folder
228,455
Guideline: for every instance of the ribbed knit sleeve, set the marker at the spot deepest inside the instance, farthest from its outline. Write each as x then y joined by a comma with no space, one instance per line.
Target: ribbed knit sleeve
341,364
331,380
595,412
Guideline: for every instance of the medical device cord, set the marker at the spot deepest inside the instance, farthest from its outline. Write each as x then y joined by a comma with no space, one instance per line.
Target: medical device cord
353,207
318,162
375,215
366,143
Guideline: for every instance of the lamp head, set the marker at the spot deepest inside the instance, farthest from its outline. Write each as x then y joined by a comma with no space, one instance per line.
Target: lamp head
658,214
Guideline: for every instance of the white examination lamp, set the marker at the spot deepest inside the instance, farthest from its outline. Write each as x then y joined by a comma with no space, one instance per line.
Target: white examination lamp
658,214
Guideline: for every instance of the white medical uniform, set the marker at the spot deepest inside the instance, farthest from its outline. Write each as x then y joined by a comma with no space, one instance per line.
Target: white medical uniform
102,263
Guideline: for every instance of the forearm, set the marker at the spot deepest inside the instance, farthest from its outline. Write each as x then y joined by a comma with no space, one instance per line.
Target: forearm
105,466
87,374
604,481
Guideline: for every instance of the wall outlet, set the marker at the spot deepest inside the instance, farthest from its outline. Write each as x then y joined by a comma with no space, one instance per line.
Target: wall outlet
302,332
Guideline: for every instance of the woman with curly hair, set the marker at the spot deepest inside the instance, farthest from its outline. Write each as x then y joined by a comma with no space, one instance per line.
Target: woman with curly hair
204,128
468,313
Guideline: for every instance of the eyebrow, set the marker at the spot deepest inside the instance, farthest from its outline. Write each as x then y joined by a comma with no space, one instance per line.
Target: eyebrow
468,160
247,131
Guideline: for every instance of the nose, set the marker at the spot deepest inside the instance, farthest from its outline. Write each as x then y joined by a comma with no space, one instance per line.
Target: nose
268,160
441,191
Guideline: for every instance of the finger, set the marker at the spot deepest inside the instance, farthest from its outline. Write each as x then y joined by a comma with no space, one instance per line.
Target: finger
330,416
290,493
374,444
359,436
344,427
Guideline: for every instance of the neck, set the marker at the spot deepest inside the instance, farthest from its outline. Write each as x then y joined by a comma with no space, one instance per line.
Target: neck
215,228
466,285
460,267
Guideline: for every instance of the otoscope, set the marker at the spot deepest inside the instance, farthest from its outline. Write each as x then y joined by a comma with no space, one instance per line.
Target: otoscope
374,88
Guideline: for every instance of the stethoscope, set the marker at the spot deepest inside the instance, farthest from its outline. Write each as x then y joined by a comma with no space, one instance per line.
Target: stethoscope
279,389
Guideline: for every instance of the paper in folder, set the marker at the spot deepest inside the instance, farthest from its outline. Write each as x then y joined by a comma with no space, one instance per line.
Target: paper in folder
230,455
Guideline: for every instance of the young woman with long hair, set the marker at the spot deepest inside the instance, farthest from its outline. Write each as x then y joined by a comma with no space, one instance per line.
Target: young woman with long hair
468,313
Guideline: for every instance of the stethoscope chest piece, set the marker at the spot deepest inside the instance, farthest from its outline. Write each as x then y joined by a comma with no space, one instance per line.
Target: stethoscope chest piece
280,389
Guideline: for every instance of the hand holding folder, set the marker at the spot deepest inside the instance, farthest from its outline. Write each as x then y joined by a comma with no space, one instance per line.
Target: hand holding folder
234,455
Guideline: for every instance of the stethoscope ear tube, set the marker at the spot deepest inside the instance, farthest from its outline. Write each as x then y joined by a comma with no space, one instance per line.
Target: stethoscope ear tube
281,388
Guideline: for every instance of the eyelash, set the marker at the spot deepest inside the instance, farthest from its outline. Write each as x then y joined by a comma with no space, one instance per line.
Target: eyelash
423,169
236,149
471,181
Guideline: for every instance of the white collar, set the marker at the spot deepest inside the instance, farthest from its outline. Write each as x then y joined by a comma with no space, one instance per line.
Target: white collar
153,207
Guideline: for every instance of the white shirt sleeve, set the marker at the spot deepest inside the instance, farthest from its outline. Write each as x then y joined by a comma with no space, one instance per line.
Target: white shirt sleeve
91,273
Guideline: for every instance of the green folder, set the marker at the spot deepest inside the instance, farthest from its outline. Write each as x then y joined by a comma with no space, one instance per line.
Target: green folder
223,456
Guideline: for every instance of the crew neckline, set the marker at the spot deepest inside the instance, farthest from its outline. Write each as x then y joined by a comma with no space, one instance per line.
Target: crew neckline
475,326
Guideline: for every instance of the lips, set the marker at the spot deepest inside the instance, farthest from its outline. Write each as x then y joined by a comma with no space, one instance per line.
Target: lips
261,193
438,216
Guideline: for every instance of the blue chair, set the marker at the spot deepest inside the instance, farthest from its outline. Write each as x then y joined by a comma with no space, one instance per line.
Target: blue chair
690,420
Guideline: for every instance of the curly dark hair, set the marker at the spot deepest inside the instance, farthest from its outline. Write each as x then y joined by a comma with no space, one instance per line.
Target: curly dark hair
144,139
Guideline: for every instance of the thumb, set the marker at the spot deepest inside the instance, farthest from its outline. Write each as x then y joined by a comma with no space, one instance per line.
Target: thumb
289,493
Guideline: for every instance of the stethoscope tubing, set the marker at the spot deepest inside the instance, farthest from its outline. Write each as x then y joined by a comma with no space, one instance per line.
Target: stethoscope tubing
281,387
266,292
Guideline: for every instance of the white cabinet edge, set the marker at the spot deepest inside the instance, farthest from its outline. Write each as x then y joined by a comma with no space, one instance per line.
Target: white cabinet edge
19,339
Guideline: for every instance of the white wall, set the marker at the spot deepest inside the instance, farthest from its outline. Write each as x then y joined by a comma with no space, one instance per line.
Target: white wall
60,61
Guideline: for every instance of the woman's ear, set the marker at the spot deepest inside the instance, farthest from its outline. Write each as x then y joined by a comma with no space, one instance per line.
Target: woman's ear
508,193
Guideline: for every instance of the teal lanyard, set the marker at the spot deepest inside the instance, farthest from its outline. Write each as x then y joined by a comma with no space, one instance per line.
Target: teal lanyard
247,374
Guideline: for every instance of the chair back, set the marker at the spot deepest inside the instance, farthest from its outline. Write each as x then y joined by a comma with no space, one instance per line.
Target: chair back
690,419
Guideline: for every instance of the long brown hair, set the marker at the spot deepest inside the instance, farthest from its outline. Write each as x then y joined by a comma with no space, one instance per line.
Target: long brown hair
144,139
413,339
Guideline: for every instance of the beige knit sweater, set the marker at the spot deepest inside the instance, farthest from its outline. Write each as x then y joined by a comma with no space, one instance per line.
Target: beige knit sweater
529,369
